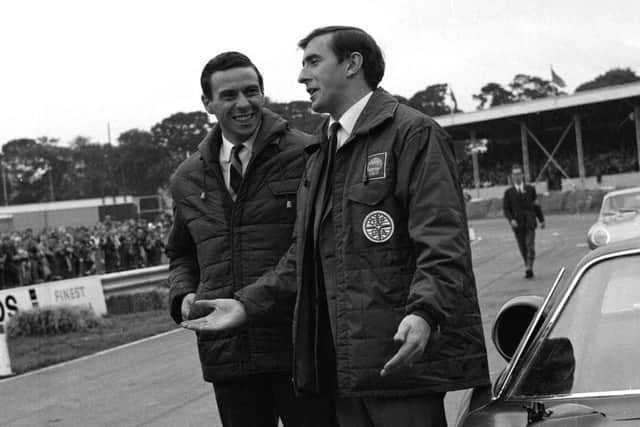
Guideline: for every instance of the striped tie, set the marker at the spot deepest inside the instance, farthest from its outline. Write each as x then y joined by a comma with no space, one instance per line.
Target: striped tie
235,169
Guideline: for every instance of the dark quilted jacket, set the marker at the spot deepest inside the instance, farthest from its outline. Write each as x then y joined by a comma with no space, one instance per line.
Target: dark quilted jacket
216,246
402,247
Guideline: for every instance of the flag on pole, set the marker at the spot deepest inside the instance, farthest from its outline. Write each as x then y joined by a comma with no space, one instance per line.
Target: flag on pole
556,79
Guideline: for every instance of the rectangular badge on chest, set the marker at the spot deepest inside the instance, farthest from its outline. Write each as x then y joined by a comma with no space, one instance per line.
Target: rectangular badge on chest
377,166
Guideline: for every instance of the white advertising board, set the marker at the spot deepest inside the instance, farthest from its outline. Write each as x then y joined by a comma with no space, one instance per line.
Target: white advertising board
83,291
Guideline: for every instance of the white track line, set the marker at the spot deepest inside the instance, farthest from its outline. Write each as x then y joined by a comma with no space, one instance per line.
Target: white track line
88,356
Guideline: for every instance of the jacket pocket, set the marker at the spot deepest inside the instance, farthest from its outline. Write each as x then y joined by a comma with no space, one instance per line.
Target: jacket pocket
284,191
371,193
284,187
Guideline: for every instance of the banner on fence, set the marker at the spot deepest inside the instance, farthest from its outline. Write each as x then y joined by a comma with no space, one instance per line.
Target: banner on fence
83,291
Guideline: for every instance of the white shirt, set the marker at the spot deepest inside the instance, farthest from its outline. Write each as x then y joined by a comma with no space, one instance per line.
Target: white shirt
349,119
520,188
225,158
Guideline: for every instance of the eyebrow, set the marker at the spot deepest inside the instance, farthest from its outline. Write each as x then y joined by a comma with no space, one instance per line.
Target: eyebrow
310,57
232,91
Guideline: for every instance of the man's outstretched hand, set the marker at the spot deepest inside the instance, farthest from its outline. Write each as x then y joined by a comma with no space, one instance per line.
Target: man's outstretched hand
227,314
413,332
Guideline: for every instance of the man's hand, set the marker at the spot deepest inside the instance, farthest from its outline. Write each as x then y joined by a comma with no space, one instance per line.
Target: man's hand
542,225
413,333
187,302
227,314
514,223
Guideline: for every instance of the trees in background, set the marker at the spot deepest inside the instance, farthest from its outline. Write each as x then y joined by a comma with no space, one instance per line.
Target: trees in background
493,94
40,170
524,87
434,100
613,77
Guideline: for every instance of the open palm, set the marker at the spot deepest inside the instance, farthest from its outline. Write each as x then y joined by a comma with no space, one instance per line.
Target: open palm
227,314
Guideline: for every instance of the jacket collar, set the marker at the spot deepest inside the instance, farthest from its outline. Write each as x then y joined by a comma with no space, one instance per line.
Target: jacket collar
380,108
271,127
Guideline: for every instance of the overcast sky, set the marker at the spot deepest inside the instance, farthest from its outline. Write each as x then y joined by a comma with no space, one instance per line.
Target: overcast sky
70,67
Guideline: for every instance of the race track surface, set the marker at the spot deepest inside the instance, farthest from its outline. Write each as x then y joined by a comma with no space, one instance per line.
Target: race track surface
157,382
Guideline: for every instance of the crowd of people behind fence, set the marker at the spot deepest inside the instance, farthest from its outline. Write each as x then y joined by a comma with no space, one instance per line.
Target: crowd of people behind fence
35,256
596,164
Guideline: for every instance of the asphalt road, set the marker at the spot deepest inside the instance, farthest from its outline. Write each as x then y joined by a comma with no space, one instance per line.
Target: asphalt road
157,382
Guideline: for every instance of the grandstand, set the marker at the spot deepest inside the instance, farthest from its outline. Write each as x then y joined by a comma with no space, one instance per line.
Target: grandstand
604,125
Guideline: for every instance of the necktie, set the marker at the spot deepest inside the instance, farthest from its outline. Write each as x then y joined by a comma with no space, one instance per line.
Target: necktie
333,147
235,169
331,155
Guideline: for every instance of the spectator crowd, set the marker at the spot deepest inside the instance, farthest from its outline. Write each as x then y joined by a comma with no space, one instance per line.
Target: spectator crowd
29,257
596,164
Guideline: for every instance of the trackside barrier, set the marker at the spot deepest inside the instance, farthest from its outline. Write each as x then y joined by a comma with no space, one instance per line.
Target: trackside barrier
137,280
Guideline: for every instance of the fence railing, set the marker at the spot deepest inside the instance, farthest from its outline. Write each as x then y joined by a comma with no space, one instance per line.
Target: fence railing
133,280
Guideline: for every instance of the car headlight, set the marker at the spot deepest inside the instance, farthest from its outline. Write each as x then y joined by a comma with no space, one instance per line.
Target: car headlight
600,237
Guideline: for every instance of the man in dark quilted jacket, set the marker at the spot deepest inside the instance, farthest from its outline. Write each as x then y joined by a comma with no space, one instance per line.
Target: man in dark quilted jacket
234,210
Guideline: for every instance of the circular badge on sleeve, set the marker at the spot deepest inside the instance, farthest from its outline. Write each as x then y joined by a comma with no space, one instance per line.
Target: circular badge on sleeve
378,226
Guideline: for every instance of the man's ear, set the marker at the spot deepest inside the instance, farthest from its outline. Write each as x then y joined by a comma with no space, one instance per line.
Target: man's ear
207,103
354,63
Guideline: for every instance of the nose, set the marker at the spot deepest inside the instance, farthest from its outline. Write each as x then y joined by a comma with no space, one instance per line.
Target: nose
303,77
242,100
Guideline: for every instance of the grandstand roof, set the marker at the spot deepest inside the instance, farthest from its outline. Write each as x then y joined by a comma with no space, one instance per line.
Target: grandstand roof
66,204
611,93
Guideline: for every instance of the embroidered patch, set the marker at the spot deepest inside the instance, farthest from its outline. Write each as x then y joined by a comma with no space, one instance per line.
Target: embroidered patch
377,166
378,226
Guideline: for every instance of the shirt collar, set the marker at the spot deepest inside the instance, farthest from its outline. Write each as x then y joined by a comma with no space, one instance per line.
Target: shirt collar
225,148
350,117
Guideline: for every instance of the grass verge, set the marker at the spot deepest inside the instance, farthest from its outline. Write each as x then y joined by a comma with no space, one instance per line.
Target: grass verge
29,353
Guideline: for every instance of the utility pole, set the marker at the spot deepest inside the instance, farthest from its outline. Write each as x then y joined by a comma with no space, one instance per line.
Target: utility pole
50,173
4,185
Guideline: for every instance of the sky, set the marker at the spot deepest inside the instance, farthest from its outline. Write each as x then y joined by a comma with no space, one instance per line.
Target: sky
69,68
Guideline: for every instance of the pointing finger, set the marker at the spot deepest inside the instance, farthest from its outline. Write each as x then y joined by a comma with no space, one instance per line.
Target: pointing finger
400,359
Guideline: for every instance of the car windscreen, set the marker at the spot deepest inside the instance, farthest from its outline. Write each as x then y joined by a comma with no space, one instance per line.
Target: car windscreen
621,203
594,346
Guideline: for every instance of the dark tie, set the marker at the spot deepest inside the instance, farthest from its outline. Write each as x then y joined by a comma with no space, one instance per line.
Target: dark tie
235,169
331,156
333,147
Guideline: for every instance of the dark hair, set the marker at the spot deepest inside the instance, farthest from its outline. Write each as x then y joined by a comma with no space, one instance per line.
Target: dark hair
222,62
347,40
516,166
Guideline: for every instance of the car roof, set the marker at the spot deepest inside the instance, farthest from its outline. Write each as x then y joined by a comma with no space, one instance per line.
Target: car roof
624,191
611,248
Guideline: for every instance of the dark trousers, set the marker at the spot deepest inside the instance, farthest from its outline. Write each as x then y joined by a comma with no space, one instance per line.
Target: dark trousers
526,238
412,411
409,411
257,401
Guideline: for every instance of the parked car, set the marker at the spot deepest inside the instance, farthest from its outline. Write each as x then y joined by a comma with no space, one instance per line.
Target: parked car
574,357
619,218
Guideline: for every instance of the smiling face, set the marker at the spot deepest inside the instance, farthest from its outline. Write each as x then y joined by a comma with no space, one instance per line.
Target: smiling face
325,78
236,101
